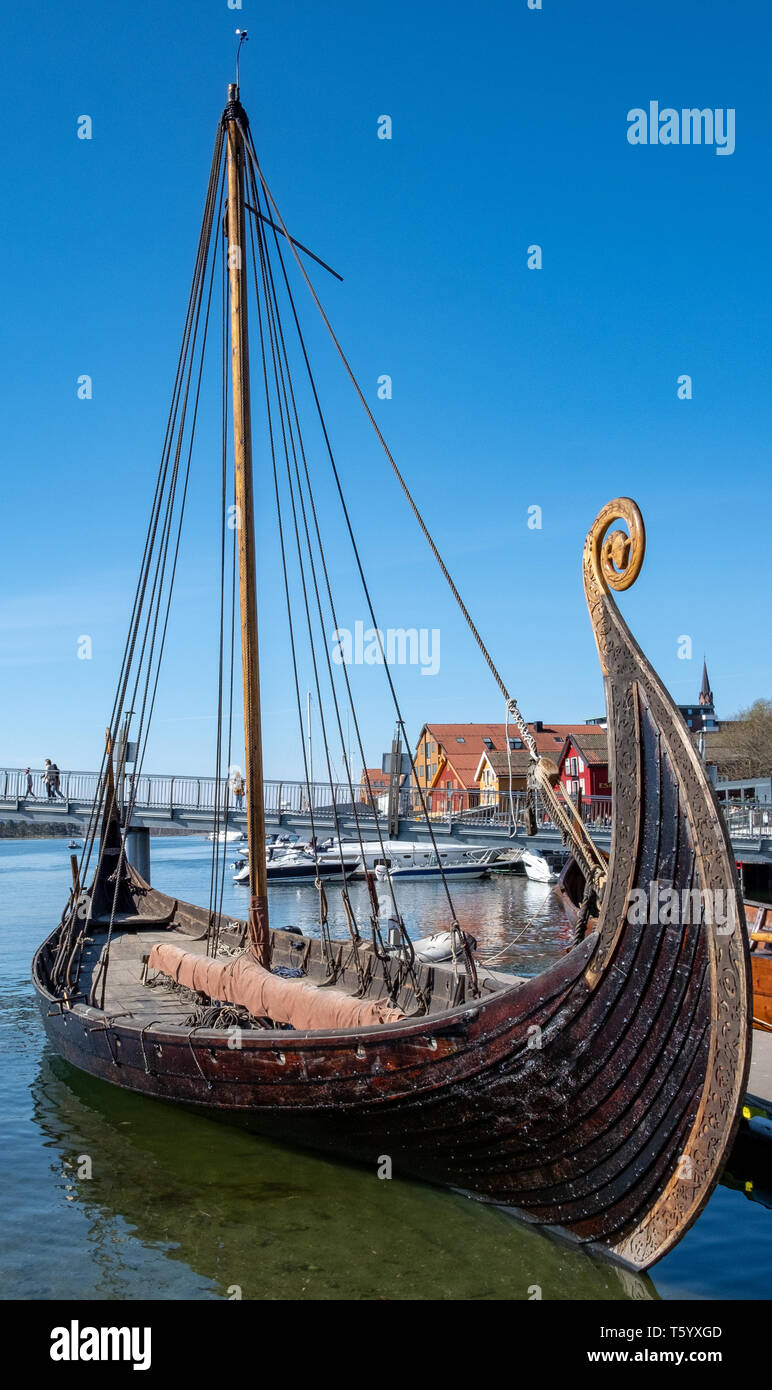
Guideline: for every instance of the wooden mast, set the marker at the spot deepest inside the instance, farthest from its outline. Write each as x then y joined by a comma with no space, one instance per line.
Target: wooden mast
245,531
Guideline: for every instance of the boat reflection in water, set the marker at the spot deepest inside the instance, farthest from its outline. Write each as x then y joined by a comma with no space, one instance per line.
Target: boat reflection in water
243,1213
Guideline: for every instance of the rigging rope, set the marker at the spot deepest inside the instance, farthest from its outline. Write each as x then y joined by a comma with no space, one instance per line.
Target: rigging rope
328,445
150,613
135,619
581,841
283,377
511,702
214,873
233,598
291,433
150,656
323,925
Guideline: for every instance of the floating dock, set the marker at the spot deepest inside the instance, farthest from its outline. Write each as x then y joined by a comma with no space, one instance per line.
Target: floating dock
758,1099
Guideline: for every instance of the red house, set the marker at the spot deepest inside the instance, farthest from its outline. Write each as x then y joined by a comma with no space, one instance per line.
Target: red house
583,765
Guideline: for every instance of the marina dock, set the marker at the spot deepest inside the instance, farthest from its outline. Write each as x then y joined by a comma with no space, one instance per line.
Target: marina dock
759,1094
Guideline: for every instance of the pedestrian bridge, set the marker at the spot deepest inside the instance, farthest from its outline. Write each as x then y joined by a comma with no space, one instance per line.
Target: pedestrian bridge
188,803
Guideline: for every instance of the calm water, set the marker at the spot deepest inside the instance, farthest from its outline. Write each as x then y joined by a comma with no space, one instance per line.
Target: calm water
182,1207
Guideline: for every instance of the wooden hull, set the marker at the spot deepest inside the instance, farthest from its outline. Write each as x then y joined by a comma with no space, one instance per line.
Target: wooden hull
465,1099
570,888
597,1100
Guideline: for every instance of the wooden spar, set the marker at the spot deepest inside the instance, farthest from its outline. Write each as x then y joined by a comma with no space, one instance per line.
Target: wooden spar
245,532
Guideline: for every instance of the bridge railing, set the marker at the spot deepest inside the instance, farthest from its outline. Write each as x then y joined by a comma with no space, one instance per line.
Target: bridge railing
748,820
505,808
156,791
171,793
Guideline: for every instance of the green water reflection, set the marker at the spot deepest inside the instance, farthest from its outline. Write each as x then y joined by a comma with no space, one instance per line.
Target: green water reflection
240,1211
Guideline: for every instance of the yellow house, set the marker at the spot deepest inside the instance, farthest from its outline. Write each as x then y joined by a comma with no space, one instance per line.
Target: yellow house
498,774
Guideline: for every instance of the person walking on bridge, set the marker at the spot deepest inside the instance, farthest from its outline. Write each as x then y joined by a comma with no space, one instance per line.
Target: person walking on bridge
49,779
28,780
237,787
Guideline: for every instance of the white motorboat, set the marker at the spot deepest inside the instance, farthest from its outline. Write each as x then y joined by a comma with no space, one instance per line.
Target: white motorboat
300,865
405,854
469,864
226,837
544,868
292,862
276,845
508,861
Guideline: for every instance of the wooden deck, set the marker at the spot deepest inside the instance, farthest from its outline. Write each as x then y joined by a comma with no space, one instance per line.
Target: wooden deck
128,998
125,994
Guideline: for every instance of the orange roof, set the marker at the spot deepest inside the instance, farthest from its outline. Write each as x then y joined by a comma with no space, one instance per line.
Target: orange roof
463,744
375,777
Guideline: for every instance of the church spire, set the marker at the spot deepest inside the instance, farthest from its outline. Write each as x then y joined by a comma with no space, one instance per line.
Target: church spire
706,694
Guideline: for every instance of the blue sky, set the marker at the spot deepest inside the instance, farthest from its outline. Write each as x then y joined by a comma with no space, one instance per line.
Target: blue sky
511,387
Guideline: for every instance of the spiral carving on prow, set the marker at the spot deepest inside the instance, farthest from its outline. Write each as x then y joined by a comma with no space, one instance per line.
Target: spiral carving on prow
616,557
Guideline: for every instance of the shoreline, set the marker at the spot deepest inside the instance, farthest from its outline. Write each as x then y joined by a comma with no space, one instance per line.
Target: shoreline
68,830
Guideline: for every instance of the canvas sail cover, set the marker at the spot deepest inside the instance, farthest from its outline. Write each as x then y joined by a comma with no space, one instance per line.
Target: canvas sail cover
242,981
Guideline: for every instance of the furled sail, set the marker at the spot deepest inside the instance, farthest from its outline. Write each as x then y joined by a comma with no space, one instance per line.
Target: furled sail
265,995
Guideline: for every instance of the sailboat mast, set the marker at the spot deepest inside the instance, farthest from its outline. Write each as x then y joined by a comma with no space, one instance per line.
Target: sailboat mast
245,533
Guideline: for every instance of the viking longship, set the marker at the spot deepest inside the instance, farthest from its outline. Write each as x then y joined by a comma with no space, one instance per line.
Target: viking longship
597,1099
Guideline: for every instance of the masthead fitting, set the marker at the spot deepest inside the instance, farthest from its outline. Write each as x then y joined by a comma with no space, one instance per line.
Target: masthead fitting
242,37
